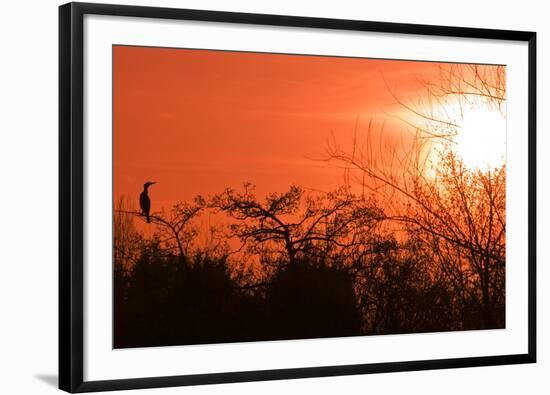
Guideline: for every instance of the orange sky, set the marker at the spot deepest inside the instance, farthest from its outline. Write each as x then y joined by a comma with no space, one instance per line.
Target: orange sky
199,121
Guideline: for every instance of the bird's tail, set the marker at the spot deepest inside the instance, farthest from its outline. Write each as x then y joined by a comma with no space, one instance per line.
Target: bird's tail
148,218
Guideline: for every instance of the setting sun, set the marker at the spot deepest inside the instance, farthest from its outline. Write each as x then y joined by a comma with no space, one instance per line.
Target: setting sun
481,139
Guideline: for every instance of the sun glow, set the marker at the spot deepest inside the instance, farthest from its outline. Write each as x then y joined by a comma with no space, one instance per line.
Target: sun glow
481,139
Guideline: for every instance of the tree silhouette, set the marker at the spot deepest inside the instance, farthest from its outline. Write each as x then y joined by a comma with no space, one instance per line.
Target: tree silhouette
126,238
458,213
294,224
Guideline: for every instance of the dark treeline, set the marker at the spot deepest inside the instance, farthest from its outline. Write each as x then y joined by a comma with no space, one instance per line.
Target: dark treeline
169,301
324,265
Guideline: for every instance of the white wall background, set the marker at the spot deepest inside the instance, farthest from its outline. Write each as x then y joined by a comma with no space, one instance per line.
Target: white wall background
28,195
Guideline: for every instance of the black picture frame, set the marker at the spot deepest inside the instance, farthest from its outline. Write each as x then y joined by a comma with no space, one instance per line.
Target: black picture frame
71,197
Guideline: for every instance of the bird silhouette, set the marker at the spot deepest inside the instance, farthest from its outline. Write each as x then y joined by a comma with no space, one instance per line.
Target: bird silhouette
145,201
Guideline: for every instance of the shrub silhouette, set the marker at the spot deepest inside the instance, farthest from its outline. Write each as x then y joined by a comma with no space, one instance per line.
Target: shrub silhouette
308,300
171,300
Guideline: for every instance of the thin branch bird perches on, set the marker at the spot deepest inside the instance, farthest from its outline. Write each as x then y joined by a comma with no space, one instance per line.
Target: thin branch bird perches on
175,227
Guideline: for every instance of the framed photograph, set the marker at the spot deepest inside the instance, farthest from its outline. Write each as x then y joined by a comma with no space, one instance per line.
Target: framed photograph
253,197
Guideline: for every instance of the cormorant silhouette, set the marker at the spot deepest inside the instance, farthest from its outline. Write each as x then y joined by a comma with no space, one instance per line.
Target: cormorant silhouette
144,201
